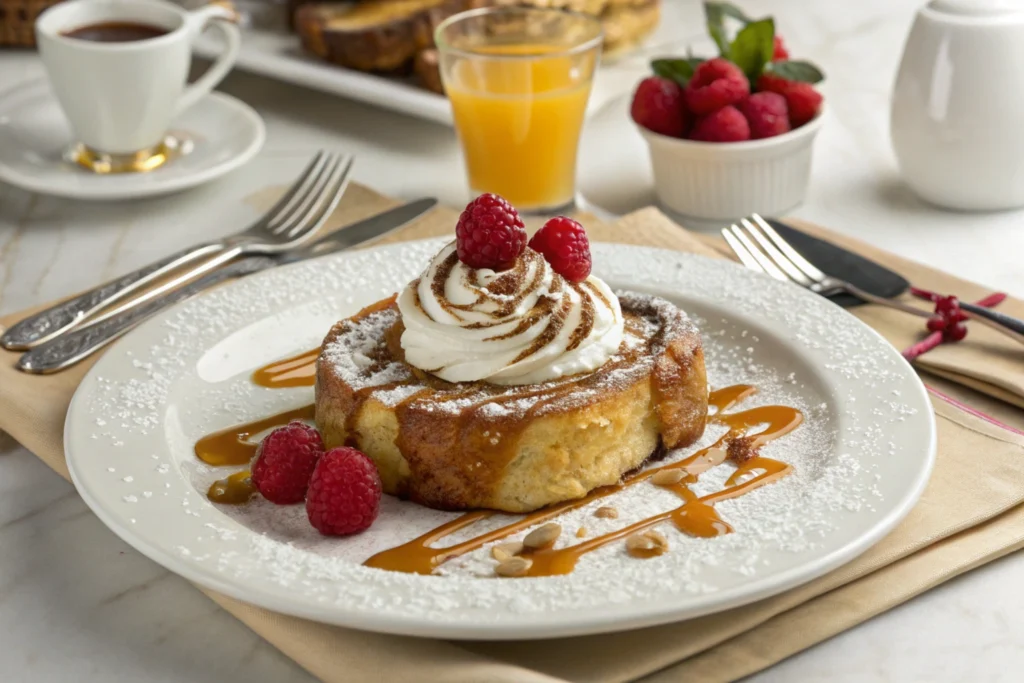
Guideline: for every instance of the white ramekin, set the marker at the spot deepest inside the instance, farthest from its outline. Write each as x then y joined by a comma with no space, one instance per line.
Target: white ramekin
730,180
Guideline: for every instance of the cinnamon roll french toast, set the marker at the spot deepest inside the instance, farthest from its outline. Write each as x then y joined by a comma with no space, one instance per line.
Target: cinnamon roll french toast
510,389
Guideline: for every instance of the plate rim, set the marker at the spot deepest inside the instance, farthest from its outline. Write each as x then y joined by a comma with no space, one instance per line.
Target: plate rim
420,626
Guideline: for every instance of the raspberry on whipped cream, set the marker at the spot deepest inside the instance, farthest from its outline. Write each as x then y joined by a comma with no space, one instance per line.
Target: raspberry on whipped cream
524,325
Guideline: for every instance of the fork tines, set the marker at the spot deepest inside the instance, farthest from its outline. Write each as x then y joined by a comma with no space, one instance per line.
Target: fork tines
311,198
761,248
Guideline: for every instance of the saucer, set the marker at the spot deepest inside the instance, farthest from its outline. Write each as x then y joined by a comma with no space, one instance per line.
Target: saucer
216,135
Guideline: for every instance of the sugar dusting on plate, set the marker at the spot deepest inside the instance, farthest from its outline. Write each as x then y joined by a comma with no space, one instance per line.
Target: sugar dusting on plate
835,452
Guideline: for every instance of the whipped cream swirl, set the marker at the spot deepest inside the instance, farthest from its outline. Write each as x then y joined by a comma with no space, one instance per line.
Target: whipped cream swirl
521,326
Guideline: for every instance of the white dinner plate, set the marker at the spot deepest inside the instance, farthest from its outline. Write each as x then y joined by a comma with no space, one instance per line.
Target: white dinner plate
861,457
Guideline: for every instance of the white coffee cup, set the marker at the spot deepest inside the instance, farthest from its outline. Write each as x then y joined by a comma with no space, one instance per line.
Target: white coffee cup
120,97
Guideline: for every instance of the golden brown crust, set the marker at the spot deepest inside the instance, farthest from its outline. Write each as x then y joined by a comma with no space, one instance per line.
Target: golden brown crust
396,36
626,23
373,35
594,7
476,445
428,70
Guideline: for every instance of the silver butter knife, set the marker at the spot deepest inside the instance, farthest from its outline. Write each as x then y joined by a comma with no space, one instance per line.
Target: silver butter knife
69,349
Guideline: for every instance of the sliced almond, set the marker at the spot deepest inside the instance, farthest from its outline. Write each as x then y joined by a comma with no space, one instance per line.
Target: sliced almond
716,455
543,536
639,542
606,512
658,539
504,551
646,544
581,532
514,566
667,477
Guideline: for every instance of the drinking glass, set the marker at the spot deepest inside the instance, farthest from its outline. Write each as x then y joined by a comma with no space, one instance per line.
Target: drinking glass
518,80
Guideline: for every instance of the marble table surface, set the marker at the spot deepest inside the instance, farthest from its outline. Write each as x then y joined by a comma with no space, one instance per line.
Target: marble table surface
78,604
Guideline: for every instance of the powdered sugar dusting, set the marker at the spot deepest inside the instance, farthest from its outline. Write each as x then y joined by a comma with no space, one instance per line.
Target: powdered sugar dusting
864,415
349,354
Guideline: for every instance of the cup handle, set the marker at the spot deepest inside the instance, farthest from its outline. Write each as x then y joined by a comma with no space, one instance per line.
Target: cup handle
222,18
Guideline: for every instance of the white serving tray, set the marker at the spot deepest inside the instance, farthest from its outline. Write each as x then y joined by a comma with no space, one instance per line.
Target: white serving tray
272,51
278,55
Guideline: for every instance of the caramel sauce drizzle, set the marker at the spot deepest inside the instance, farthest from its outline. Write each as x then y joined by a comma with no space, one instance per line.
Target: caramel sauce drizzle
300,370
232,446
297,371
232,490
696,516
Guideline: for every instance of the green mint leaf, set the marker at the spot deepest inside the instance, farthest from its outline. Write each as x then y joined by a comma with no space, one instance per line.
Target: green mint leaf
714,13
804,72
753,47
733,11
678,70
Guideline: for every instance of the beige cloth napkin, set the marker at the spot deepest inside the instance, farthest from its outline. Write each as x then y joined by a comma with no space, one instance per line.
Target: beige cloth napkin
972,504
987,361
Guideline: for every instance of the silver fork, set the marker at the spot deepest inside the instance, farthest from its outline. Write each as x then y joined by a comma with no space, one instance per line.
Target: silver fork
759,247
294,218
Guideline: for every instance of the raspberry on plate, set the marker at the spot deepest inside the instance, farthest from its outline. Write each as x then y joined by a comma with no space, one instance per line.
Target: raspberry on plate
803,100
780,52
716,83
284,462
725,125
564,244
344,493
767,114
490,233
659,106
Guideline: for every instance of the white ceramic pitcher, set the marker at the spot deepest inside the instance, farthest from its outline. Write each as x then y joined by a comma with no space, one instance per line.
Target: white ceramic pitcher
957,118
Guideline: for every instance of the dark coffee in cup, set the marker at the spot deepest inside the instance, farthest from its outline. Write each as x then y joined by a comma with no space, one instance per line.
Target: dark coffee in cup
116,32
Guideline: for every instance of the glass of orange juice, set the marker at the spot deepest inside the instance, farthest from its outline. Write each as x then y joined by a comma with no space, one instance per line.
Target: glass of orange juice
518,80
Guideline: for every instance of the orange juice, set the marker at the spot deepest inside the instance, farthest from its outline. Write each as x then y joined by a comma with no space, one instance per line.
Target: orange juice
519,121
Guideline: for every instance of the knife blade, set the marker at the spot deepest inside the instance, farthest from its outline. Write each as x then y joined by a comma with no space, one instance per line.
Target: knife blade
870,276
73,347
876,279
364,232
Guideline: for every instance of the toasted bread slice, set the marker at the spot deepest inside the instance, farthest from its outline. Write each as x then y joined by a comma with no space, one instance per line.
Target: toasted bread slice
626,23
593,7
428,69
374,35
394,36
